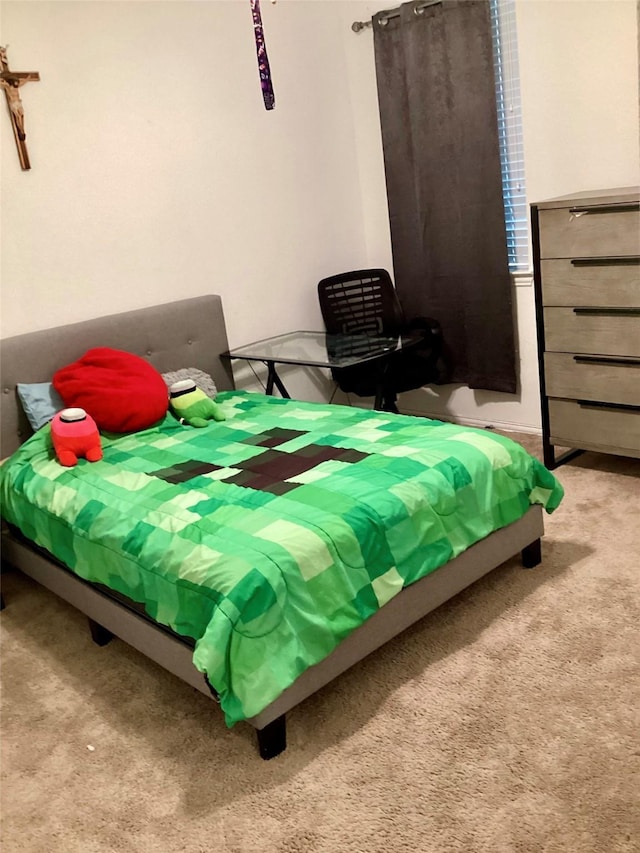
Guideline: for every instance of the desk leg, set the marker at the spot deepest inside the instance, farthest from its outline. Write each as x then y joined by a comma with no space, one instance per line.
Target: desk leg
273,378
385,400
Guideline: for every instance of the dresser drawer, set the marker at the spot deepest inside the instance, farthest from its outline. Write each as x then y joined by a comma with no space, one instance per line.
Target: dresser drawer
578,283
605,380
571,233
608,429
593,331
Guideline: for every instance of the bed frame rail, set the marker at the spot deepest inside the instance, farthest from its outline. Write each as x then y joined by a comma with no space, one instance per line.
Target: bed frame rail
109,617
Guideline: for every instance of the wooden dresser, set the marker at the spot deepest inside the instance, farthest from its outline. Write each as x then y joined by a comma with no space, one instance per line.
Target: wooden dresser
586,253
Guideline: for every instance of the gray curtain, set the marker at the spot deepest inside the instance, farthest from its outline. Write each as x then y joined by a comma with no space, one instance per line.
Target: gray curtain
436,91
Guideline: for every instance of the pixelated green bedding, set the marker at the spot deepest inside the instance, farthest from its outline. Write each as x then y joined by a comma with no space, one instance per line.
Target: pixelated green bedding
271,536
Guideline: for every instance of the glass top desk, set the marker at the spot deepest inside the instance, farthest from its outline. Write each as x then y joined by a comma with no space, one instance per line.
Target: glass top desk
319,349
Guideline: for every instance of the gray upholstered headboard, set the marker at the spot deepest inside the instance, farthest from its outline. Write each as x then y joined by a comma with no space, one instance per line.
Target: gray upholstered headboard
187,333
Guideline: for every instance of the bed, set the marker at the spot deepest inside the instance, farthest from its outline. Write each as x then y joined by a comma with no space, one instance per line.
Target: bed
232,656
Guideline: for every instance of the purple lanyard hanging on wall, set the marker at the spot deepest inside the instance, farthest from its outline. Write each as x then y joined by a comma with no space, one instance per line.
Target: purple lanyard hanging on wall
263,60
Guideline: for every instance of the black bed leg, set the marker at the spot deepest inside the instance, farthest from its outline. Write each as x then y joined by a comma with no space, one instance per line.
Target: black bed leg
101,636
532,554
1,601
272,739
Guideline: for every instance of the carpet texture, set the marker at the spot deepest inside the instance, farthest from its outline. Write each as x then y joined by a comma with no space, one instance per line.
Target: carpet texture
504,722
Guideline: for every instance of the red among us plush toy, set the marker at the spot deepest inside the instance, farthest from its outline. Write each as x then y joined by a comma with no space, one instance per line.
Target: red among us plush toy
75,434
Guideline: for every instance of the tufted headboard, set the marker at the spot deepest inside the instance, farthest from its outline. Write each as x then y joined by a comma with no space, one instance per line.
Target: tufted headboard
186,333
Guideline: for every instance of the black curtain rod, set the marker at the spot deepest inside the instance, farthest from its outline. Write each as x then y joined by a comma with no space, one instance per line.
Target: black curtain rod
356,26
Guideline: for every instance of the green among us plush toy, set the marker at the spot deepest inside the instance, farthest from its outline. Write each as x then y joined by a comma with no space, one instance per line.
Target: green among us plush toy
191,405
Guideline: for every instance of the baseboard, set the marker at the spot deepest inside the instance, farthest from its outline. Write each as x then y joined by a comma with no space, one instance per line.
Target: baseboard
506,426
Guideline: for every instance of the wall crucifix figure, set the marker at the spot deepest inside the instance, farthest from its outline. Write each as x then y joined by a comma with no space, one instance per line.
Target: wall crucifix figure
11,81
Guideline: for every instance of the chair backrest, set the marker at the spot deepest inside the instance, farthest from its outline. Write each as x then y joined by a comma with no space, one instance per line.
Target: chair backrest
361,301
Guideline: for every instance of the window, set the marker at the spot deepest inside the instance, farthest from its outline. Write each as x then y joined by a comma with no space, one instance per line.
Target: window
505,56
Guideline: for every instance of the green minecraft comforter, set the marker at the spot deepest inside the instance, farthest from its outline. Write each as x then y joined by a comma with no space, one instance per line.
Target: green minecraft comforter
269,537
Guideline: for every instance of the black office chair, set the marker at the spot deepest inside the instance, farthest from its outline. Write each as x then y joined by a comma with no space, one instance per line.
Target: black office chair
366,302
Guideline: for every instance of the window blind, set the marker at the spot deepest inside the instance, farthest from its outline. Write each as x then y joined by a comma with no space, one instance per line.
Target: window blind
505,56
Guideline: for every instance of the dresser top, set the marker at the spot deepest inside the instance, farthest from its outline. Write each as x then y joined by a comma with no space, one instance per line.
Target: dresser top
619,195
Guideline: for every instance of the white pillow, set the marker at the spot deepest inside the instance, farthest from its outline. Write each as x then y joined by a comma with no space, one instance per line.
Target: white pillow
202,379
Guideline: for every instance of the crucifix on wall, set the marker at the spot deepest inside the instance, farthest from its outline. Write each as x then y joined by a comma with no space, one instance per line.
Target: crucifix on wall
11,81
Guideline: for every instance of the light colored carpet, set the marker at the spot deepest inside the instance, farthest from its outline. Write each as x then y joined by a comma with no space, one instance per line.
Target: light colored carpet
504,722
